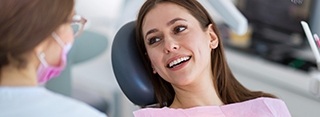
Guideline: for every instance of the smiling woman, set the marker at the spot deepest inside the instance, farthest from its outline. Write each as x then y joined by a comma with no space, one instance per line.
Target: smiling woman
184,56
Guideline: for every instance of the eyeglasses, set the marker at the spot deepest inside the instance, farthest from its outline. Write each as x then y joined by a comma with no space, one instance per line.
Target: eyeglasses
77,24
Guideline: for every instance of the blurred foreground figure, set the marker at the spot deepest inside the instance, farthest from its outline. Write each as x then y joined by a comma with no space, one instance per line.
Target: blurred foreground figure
35,37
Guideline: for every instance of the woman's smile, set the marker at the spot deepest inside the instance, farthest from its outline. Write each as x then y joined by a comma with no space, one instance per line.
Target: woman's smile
178,62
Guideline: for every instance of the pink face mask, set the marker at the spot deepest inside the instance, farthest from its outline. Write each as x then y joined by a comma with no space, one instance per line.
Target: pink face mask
46,71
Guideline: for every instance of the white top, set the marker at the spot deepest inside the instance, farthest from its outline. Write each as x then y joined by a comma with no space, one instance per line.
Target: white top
40,102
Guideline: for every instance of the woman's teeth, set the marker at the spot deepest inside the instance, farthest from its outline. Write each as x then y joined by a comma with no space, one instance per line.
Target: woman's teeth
178,61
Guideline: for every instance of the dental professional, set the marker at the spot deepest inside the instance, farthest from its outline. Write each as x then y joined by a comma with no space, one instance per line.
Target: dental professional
35,37
184,56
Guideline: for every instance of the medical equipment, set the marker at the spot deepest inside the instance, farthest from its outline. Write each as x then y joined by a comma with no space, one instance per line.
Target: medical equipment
316,38
230,14
225,8
311,41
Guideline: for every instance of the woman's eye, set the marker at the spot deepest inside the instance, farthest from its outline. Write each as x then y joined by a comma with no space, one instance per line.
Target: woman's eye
153,40
179,29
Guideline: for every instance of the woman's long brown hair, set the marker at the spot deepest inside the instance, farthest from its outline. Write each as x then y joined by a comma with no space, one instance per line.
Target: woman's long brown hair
228,88
26,23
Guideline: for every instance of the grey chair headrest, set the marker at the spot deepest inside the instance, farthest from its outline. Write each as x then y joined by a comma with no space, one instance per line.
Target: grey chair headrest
128,67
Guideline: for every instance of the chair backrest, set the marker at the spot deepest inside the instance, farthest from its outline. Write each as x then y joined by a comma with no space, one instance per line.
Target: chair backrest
128,67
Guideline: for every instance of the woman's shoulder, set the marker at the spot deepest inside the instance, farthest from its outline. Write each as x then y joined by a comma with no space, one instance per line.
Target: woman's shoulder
263,105
261,101
203,111
74,106
276,106
266,101
254,107
40,102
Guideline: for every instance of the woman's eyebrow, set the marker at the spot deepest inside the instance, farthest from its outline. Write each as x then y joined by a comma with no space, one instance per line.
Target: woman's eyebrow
151,31
175,20
168,24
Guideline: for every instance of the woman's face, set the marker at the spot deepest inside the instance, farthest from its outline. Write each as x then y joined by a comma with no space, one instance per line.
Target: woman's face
178,48
54,50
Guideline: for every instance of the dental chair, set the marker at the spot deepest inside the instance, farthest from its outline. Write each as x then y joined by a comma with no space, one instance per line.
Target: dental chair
128,67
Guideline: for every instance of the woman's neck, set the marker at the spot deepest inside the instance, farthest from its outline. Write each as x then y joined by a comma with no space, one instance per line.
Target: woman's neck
201,93
12,76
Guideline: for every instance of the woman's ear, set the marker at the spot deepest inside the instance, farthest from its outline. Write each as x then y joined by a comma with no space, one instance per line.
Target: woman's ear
214,41
41,46
153,70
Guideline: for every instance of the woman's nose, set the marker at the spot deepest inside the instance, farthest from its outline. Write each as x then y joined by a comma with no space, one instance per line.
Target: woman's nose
170,45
